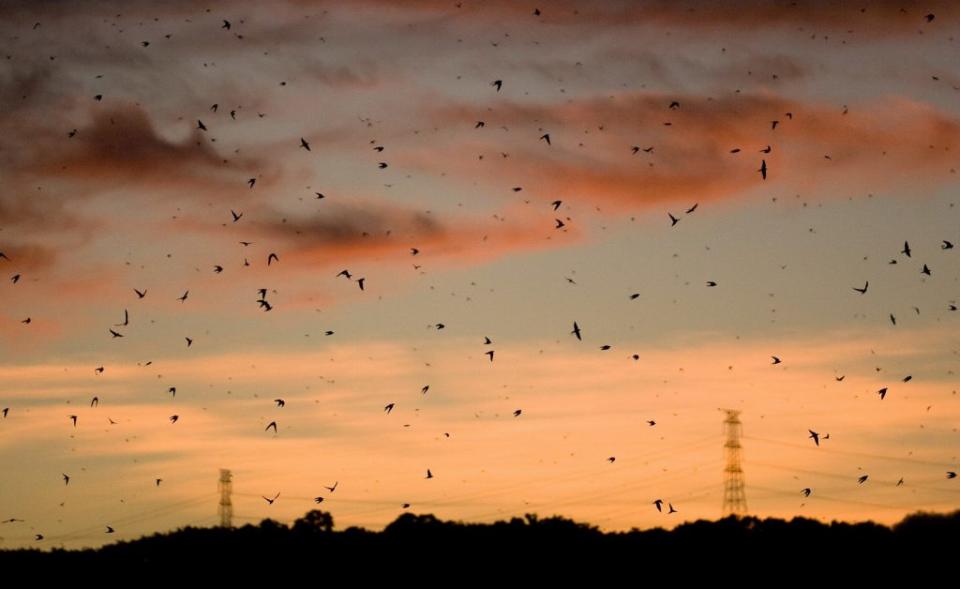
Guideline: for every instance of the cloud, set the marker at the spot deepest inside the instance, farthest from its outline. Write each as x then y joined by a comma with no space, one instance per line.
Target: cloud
889,142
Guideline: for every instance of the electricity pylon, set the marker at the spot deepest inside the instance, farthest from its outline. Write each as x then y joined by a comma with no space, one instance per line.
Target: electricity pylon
734,488
225,509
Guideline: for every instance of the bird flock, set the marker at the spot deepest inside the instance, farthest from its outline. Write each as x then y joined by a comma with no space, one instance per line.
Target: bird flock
557,213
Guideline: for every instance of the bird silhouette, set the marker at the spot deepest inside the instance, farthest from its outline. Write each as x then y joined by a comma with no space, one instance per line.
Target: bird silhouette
815,437
659,504
863,290
280,402
270,501
576,331
272,424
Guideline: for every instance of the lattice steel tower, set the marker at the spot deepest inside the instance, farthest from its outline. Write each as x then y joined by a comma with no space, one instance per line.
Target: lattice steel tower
734,488
225,509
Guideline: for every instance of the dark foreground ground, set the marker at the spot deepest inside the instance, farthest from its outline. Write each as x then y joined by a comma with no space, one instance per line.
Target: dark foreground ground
769,552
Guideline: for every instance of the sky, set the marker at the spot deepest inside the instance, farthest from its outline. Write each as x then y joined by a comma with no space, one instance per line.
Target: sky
489,169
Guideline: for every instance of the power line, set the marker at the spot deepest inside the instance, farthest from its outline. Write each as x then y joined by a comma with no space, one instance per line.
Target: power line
850,453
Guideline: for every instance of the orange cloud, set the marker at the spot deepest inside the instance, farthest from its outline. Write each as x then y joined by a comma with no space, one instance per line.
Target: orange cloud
814,146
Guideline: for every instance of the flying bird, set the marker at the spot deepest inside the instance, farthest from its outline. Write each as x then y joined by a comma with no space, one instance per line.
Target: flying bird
806,492
304,144
174,418
883,393
659,504
906,249
497,84
272,424
236,216
545,137
862,479
334,487
270,501
775,360
388,407
673,220
429,474
576,331
280,402
814,436
863,290
183,297
140,294
272,258
517,412
763,169
489,353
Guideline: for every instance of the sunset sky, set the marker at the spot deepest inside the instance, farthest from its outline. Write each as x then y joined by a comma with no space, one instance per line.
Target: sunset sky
108,184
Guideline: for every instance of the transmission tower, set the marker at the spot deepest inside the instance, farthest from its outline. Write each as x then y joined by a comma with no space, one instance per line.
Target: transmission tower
734,488
225,509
